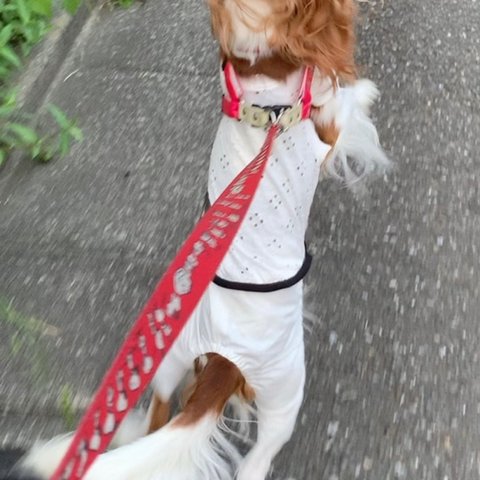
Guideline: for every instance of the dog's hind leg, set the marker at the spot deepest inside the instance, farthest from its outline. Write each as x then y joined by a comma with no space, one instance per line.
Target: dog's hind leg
158,413
167,378
277,406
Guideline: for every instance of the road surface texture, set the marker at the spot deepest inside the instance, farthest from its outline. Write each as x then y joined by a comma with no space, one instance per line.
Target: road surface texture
393,386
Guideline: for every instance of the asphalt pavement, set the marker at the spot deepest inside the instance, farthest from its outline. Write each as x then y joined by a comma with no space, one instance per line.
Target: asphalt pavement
393,390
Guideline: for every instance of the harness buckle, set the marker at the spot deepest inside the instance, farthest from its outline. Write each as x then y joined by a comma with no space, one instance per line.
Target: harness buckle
263,117
288,117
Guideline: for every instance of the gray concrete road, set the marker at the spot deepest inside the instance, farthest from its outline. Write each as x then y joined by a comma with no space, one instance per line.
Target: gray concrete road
393,389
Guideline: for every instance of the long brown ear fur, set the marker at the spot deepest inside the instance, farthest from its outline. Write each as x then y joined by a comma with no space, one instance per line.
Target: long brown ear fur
221,24
319,33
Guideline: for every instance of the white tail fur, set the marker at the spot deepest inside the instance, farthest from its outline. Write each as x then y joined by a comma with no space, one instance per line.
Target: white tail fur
357,152
195,452
44,457
192,446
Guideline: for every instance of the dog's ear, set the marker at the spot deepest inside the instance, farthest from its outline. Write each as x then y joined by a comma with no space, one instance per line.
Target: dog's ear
320,33
220,23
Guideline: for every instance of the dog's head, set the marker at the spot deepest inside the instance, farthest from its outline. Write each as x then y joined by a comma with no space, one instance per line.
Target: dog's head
319,33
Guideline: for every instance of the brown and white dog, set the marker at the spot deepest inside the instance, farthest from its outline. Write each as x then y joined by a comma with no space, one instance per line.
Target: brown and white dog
248,329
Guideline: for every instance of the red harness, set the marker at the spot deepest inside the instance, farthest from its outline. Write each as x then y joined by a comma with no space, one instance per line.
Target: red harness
233,103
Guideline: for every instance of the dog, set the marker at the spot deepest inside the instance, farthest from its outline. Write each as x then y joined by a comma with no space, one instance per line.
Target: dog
289,62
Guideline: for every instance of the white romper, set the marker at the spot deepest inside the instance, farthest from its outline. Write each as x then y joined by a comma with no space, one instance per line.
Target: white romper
260,332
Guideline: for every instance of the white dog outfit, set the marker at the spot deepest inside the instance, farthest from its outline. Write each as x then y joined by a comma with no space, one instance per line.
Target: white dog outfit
252,313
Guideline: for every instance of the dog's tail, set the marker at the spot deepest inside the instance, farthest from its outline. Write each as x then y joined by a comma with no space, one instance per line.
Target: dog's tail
191,446
357,152
43,458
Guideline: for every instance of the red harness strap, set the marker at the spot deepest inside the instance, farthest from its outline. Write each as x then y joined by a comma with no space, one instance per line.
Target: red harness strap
163,318
231,104
306,92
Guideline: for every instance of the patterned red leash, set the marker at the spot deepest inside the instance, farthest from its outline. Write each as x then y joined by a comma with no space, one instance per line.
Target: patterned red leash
163,318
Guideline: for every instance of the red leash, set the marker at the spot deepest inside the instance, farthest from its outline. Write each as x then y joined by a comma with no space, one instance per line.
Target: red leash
163,318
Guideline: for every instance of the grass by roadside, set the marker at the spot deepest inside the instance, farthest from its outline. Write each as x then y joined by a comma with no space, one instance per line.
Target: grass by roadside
28,340
27,337
23,24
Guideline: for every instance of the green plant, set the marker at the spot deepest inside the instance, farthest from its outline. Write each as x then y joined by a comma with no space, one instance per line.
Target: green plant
19,135
23,23
123,3
26,337
66,407
27,326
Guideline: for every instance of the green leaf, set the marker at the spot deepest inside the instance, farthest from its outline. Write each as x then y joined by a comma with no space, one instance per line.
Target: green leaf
23,11
8,140
76,133
8,8
59,116
8,54
46,154
6,110
4,71
16,343
125,3
5,34
3,157
64,144
33,32
71,6
36,149
26,134
67,407
26,49
9,97
42,7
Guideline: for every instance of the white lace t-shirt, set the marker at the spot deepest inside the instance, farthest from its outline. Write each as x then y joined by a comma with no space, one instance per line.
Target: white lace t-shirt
269,246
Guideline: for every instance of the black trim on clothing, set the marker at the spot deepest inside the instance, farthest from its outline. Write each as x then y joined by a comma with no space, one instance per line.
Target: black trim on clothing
267,287
262,287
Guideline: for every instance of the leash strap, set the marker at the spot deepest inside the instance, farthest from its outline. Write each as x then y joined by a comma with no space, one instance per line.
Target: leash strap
162,319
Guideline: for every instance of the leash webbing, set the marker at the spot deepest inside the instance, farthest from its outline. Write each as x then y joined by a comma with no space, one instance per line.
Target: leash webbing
162,319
